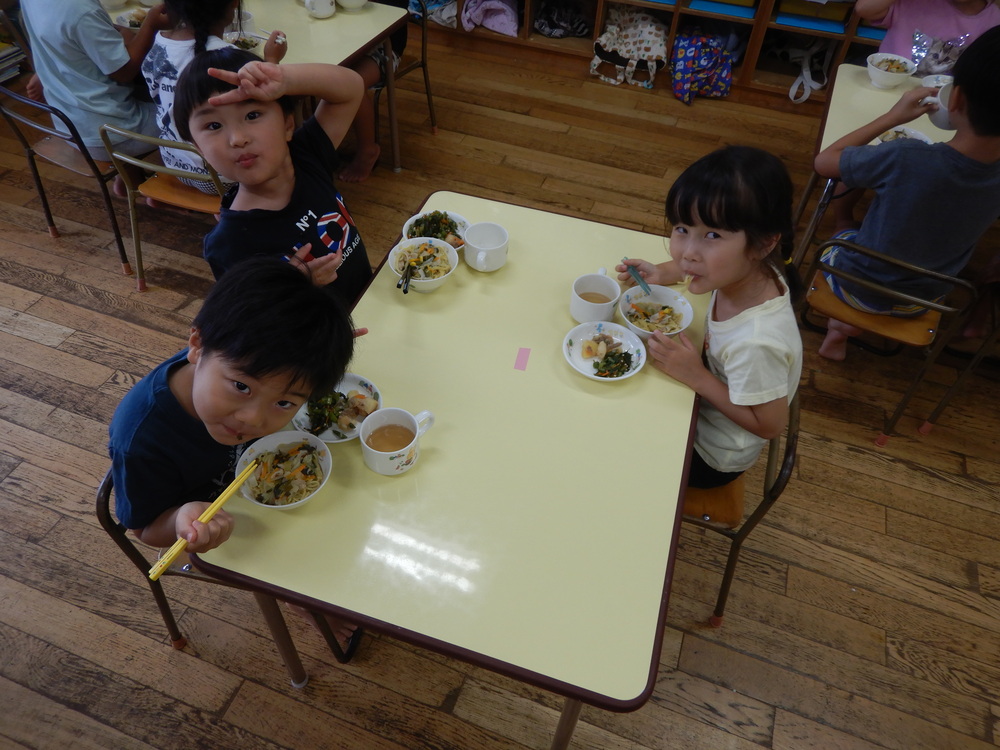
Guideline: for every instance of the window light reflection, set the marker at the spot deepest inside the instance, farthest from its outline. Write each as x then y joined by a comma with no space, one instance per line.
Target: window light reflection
419,559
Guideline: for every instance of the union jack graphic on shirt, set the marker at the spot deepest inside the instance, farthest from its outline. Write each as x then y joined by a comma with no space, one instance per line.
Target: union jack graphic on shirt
339,218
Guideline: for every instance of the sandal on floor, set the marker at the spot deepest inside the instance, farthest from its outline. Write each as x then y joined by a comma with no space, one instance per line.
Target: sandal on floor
343,655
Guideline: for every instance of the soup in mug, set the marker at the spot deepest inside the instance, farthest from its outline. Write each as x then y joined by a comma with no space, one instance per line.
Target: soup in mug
390,437
596,297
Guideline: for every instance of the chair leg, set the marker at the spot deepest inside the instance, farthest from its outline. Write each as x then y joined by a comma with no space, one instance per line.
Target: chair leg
126,266
810,232
735,546
42,197
177,640
890,422
140,272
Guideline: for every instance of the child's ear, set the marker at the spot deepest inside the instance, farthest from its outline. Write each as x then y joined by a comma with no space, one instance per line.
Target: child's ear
195,346
289,126
767,247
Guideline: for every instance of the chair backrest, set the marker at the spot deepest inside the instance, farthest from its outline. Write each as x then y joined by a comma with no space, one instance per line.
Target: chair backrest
914,331
62,146
120,159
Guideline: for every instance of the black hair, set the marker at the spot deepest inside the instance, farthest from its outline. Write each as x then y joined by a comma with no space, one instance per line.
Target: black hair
977,73
195,86
202,16
740,188
266,317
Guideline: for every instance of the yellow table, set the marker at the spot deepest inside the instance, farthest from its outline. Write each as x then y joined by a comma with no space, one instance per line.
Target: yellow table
536,535
340,39
854,102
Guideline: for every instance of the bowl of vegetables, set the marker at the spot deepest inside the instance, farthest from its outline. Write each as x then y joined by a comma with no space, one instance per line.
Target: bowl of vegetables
887,71
242,40
444,225
294,466
337,416
431,261
604,351
663,309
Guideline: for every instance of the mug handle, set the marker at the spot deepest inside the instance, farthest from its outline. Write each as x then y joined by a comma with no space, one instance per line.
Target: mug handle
425,420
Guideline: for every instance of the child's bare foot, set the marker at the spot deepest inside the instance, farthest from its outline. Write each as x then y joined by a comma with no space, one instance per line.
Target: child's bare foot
834,346
343,630
362,164
118,187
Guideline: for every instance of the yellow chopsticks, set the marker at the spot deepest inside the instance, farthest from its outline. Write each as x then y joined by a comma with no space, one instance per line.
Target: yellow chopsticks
167,559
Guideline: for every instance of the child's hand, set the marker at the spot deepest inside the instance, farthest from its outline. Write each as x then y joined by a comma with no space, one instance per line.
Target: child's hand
911,104
261,81
677,357
202,537
646,269
275,47
322,270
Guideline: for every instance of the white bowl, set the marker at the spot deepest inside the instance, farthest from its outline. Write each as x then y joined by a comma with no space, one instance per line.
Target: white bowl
936,81
901,132
661,295
244,23
352,5
586,331
285,438
883,79
243,41
424,285
460,221
350,382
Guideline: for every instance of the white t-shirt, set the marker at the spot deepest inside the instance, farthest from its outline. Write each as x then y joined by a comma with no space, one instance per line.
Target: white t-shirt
758,355
161,68
75,48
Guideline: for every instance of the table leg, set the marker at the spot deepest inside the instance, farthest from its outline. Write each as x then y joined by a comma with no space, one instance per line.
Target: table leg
807,236
801,208
282,639
567,723
390,95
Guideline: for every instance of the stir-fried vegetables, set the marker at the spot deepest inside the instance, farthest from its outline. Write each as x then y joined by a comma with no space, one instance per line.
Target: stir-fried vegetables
336,410
428,261
285,475
436,224
613,365
652,316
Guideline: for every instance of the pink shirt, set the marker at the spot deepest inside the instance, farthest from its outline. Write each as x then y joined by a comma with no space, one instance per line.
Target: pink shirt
936,18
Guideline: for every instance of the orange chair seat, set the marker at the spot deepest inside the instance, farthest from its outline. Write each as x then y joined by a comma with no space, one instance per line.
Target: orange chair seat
721,505
67,156
918,331
168,189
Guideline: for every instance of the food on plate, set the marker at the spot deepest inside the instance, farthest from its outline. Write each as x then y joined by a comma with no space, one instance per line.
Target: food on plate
136,17
338,410
245,43
428,261
611,362
652,316
285,475
437,224
892,65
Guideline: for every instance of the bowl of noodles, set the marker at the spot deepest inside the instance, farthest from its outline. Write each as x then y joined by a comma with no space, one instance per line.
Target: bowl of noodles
887,71
432,261
663,309
294,466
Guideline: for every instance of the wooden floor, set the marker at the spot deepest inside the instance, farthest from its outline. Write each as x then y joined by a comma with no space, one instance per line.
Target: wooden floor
866,611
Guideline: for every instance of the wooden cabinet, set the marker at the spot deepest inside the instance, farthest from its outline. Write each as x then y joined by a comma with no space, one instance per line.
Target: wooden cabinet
762,25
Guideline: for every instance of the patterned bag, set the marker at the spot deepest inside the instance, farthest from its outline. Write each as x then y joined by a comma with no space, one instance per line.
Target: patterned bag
701,66
632,41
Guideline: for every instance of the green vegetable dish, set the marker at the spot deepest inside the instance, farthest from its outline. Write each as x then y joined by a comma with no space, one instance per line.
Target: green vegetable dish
437,224
613,365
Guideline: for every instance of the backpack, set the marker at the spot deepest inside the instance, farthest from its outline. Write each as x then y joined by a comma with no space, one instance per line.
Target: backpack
633,41
700,66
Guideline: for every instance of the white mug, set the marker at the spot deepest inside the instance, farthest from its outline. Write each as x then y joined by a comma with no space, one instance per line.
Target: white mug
397,451
485,246
321,8
593,297
940,117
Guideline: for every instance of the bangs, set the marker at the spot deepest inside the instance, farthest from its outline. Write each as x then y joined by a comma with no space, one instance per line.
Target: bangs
195,86
714,198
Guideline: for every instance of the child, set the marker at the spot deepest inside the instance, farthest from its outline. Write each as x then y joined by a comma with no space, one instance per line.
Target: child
197,25
238,111
932,201
87,67
731,213
250,364
372,71
930,32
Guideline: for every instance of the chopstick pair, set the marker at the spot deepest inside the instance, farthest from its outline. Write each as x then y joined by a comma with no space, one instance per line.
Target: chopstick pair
404,280
167,559
638,278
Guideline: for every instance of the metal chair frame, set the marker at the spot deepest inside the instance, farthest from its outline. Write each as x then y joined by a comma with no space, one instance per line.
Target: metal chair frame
77,158
938,334
191,198
782,454
403,70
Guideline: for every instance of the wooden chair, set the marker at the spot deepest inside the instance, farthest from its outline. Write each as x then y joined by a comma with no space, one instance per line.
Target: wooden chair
63,147
721,509
163,186
268,606
930,330
419,63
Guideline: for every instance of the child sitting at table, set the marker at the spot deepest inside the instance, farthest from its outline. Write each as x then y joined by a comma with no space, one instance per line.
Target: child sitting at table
265,340
932,33
932,201
731,213
238,111
198,25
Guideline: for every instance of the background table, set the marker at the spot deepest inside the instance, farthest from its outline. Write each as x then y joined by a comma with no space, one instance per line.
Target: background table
536,535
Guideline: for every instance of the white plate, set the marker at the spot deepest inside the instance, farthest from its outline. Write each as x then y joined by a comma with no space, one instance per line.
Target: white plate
350,382
231,37
275,440
586,331
461,221
344,9
905,133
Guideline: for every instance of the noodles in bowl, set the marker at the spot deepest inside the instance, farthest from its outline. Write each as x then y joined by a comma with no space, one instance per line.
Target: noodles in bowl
431,261
664,309
293,466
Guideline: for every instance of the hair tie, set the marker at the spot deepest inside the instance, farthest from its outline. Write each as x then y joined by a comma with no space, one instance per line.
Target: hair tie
788,261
